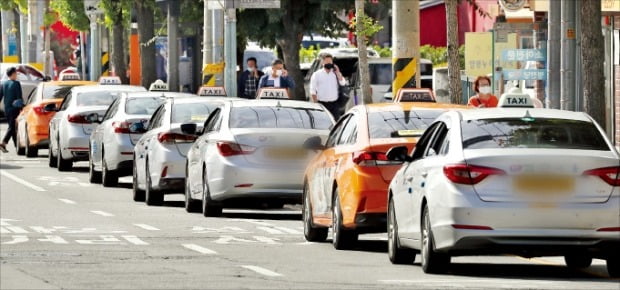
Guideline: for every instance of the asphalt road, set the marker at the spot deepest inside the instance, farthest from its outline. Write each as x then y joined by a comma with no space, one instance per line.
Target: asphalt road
59,231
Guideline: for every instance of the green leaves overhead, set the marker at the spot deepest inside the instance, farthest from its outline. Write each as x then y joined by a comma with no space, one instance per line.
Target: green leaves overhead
22,5
71,13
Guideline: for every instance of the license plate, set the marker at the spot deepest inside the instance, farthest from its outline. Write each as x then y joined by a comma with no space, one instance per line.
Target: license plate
544,184
285,153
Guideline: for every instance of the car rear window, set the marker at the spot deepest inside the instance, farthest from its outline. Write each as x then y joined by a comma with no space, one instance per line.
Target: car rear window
389,123
279,117
192,112
100,98
532,133
55,92
142,106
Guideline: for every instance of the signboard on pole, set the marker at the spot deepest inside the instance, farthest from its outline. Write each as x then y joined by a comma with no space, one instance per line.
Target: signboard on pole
524,74
253,4
91,7
524,55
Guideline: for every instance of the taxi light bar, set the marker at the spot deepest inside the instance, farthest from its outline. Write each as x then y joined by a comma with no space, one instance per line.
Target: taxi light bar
469,174
608,174
170,138
231,149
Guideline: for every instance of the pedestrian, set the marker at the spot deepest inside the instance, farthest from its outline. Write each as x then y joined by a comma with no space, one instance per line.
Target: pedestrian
484,97
278,78
325,83
248,80
12,94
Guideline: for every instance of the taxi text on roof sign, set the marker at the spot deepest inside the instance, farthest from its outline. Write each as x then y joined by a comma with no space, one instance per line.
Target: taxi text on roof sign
414,95
515,99
158,86
111,80
69,77
212,91
272,93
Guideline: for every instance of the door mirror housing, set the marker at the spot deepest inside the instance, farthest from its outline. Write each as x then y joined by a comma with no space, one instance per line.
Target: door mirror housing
314,143
399,153
93,118
189,128
50,108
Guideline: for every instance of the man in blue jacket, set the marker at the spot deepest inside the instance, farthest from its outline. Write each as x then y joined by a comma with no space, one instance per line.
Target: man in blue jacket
278,78
248,81
11,94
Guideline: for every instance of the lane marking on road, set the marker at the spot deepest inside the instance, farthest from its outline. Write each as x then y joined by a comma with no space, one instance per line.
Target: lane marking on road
135,240
200,249
17,230
262,271
101,213
146,227
270,230
4,231
67,201
21,181
5,221
290,231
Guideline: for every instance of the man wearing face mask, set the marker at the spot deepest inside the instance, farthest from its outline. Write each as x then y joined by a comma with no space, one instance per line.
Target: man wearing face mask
324,85
248,80
278,78
483,97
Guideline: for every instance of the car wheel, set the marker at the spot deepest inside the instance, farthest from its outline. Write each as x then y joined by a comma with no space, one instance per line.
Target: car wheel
93,175
63,164
20,150
31,151
138,194
342,238
396,253
152,197
208,208
51,158
578,261
191,205
312,233
613,267
432,262
109,177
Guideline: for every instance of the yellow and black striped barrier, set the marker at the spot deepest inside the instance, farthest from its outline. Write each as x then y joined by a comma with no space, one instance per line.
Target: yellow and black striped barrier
404,73
105,64
210,72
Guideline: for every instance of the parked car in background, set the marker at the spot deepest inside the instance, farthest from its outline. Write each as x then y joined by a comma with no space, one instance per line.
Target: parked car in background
28,76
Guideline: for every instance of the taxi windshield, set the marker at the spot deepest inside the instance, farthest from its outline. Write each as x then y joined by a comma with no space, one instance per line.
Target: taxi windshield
142,106
279,117
386,124
192,112
531,133
100,98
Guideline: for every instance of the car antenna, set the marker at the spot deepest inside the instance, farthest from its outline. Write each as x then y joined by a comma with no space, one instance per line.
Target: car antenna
527,117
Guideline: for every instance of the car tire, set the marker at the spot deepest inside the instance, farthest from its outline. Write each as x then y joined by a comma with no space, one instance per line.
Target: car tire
396,253
432,262
613,267
21,151
208,208
109,177
191,205
51,158
152,197
138,194
342,238
578,261
63,165
312,233
31,151
93,175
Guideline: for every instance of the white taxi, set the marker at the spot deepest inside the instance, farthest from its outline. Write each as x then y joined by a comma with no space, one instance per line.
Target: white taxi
521,180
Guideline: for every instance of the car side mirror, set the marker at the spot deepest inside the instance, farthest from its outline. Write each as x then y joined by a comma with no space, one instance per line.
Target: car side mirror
189,128
50,108
93,118
399,153
314,143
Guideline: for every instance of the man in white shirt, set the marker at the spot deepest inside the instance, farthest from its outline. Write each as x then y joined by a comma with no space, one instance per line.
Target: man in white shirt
278,78
324,85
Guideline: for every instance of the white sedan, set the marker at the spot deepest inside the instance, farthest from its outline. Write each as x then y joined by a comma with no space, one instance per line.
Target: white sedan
524,181
71,127
159,155
252,150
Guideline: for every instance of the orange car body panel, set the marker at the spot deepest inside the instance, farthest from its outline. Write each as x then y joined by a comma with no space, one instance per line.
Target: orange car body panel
363,189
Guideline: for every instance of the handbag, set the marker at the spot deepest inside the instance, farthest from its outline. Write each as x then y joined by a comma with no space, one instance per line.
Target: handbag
19,103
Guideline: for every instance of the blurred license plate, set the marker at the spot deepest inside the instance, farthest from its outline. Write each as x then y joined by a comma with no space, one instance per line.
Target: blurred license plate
285,153
544,184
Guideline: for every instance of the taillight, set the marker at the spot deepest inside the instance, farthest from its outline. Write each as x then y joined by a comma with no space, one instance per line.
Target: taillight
78,119
170,138
232,149
121,127
469,174
608,174
40,111
365,158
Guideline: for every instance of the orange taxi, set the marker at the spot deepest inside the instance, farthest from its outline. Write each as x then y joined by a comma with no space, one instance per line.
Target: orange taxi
33,121
345,185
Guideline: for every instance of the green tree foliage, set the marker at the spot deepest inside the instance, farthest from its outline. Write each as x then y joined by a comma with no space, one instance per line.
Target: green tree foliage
71,13
22,5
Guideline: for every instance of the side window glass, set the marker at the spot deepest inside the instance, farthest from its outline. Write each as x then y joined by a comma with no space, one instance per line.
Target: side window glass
210,124
438,139
336,131
155,118
111,110
33,96
423,143
445,145
65,102
348,131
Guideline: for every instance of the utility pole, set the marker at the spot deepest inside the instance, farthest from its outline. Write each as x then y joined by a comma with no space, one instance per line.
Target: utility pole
230,51
567,65
362,53
173,46
553,57
47,69
33,30
207,43
95,49
218,40
405,44
23,36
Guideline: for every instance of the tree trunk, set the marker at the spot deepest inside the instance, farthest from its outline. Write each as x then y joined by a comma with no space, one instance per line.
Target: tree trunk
362,54
18,36
454,70
290,43
146,33
118,52
592,51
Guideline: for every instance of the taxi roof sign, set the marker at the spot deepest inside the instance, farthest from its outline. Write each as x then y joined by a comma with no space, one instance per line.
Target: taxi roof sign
110,80
158,86
206,91
515,99
414,95
272,93
67,76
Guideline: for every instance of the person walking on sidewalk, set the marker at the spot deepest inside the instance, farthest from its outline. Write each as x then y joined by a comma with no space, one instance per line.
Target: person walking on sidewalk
248,80
278,78
324,85
11,94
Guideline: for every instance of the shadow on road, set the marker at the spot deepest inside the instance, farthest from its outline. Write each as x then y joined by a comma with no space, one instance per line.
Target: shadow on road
127,185
3,165
80,169
372,246
172,203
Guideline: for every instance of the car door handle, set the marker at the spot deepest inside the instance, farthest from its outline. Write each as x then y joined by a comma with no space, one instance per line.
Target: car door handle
409,178
424,174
